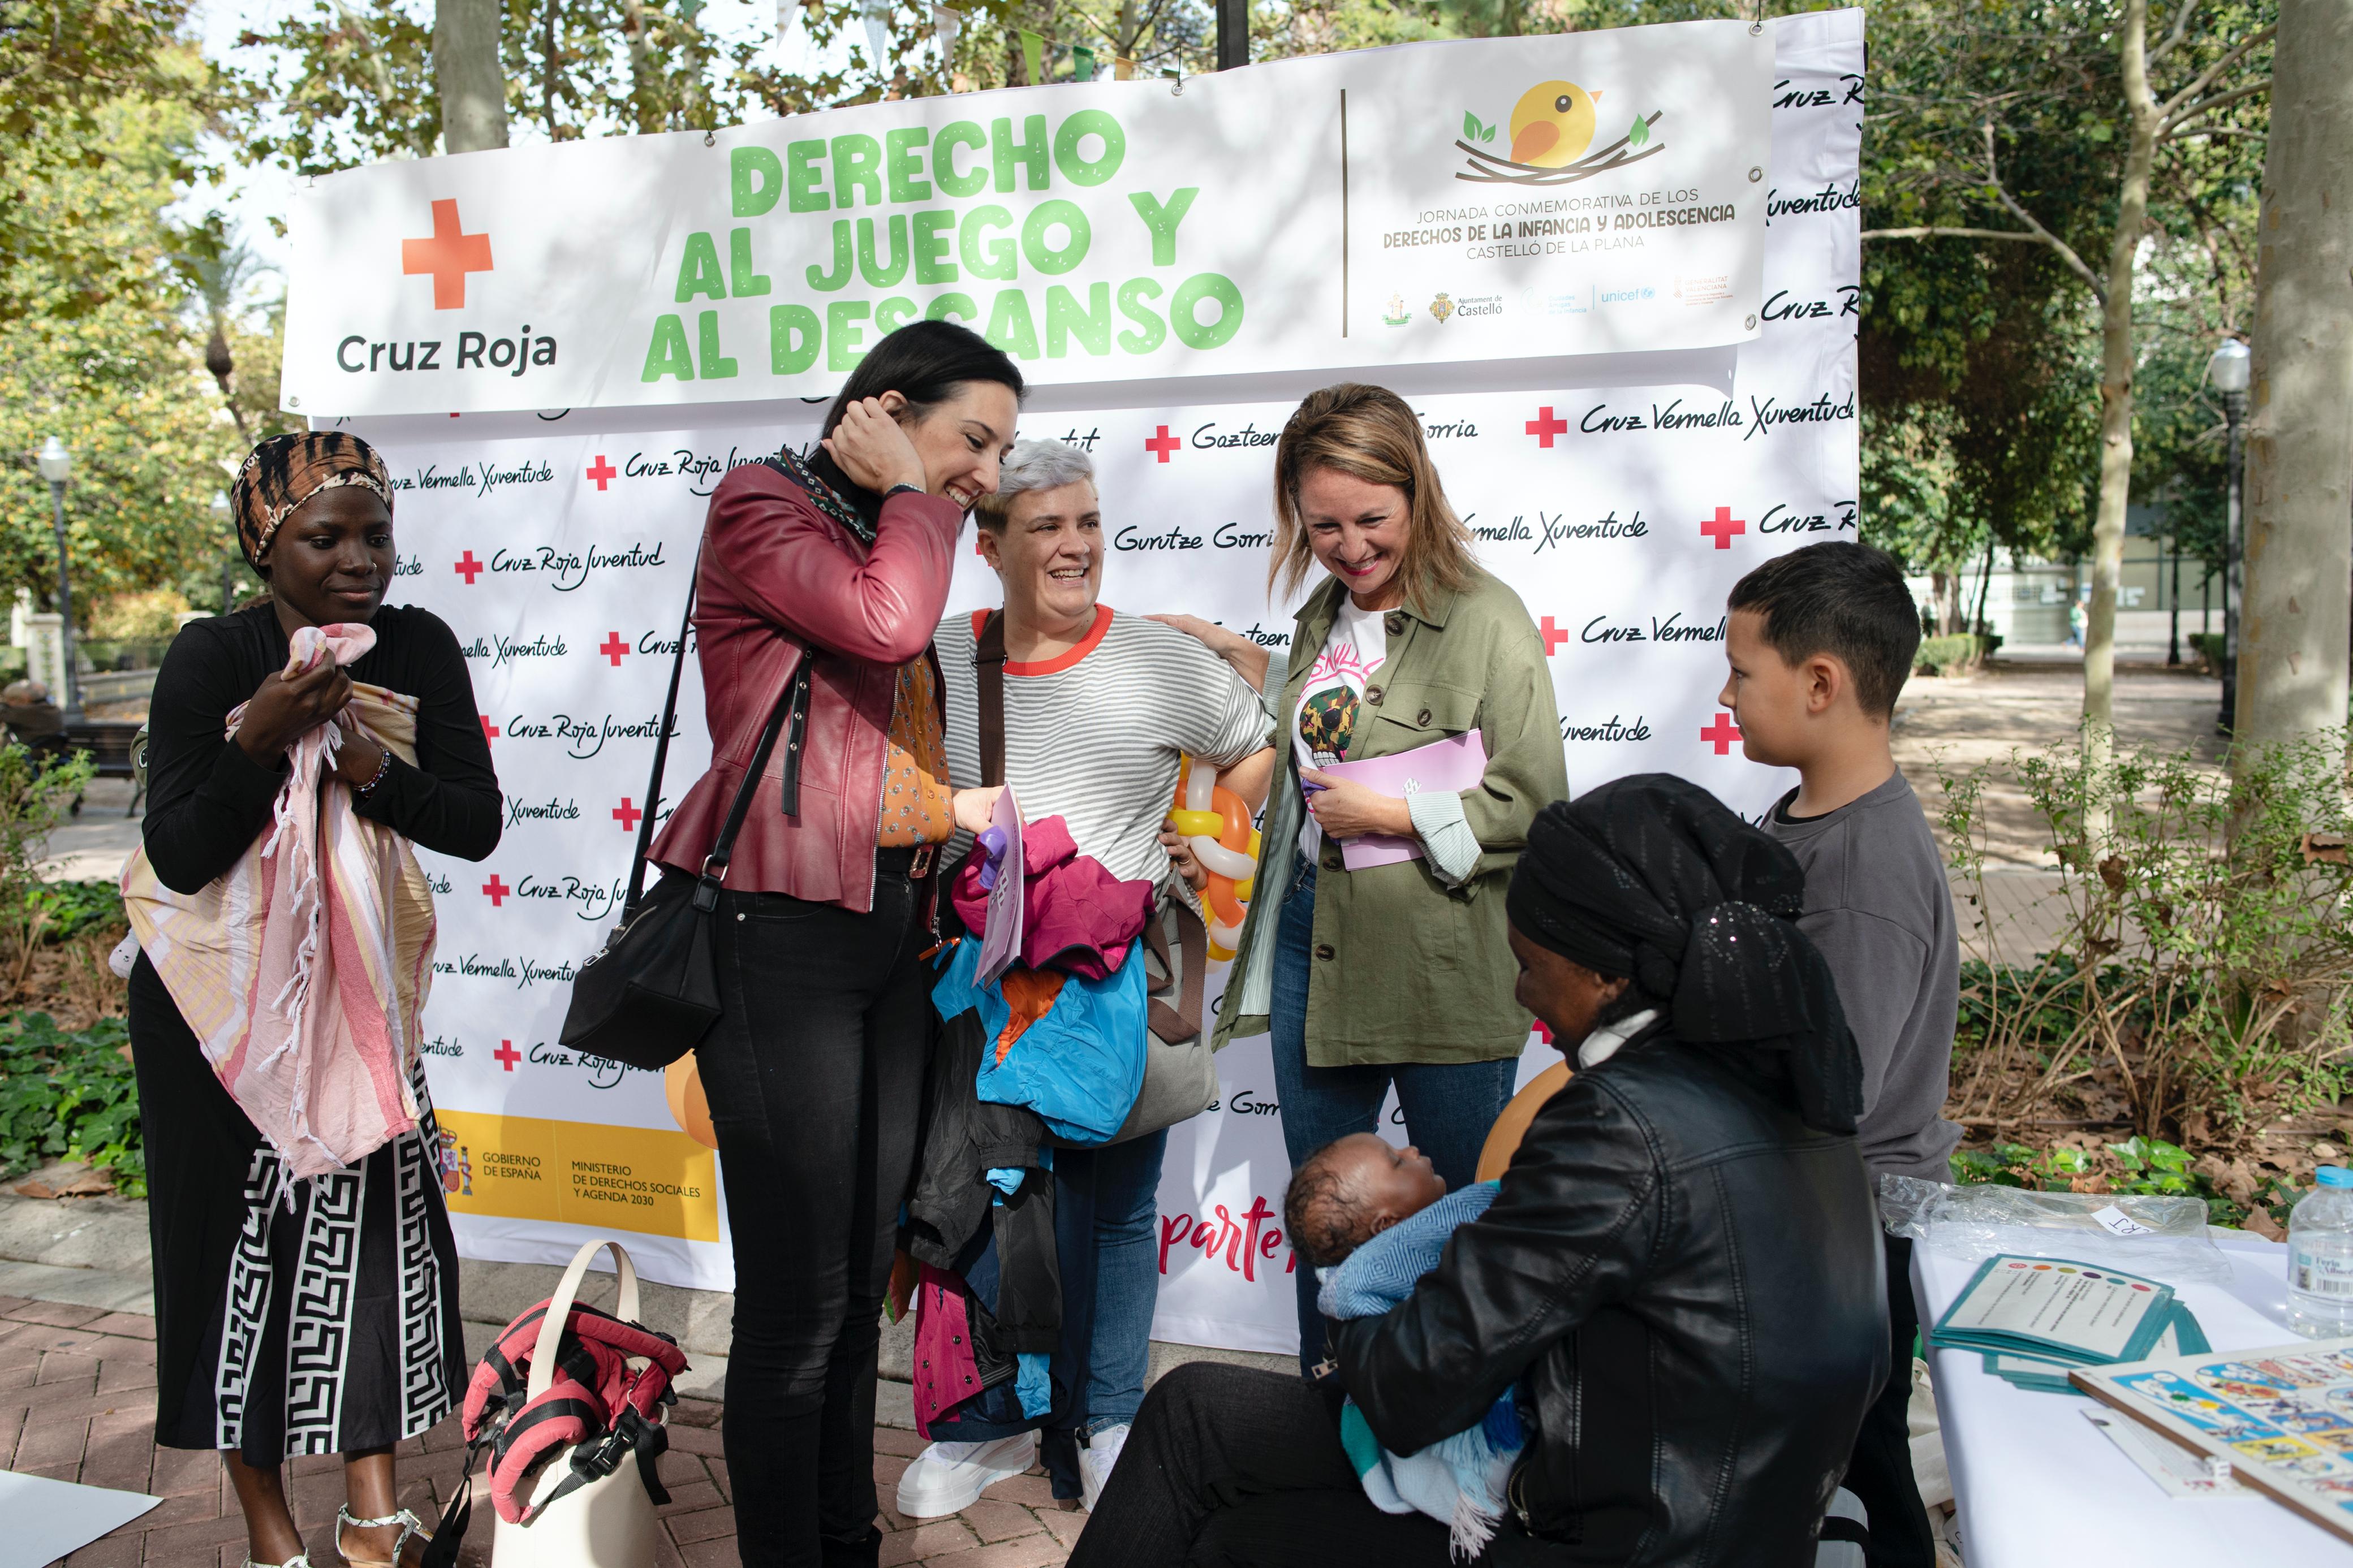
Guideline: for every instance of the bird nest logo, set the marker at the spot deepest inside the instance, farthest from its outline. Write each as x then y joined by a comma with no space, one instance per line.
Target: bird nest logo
1553,127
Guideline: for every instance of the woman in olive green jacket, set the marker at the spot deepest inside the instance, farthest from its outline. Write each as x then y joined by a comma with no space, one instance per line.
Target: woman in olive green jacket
1395,974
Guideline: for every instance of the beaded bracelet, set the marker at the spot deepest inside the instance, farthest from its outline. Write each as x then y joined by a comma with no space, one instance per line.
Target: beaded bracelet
383,767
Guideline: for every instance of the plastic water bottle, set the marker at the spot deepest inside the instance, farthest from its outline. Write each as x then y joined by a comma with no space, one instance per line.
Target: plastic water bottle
2320,1258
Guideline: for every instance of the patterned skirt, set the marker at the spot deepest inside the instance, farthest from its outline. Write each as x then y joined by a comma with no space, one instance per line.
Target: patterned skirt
313,1316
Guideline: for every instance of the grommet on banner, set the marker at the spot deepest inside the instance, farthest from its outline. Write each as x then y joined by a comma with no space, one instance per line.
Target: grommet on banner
1751,324
710,138
1755,28
1755,175
293,402
1175,79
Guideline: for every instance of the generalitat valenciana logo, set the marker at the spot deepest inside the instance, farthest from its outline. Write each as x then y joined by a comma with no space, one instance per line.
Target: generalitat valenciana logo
1553,127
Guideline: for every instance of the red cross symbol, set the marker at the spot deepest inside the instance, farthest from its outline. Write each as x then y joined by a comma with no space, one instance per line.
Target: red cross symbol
507,1054
613,648
1543,427
489,730
497,890
603,471
1161,445
626,816
1722,526
448,255
467,567
1553,636
1720,735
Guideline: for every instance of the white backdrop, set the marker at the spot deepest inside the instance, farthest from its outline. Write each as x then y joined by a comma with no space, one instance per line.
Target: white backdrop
558,545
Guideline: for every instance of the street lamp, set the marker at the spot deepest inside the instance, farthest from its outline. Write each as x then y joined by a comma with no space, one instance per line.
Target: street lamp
2230,371
55,463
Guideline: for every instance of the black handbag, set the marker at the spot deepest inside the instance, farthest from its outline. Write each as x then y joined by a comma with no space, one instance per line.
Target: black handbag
648,996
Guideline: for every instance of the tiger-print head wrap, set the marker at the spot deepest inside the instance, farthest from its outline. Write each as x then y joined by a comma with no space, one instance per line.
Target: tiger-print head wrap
284,471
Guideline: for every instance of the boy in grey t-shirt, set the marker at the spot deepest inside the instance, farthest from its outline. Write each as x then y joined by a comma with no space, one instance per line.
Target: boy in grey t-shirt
1820,641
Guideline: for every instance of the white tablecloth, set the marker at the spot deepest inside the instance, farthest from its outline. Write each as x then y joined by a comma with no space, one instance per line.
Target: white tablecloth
2037,1486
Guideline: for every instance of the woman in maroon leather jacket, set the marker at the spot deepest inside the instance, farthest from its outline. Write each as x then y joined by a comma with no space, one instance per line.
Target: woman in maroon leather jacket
815,1070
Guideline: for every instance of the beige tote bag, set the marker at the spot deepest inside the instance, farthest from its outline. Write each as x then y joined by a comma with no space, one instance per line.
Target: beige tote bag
608,1524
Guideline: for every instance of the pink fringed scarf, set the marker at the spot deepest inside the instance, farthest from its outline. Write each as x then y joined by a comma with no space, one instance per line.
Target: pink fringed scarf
302,969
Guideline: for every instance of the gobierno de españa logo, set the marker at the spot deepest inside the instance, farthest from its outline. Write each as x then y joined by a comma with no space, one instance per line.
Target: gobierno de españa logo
1552,130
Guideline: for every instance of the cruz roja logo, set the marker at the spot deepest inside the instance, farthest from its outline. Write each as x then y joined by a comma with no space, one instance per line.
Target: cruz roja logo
1553,127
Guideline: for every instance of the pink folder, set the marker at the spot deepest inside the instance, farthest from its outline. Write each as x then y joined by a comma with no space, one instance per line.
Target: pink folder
1453,765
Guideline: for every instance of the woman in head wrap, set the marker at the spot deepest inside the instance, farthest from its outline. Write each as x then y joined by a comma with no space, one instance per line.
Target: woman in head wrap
315,1315
1678,1282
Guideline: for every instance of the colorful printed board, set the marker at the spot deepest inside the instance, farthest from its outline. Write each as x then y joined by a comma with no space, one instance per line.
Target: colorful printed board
2281,1418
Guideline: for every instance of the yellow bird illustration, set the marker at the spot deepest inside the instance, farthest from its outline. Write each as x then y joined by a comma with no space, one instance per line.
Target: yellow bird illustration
1552,125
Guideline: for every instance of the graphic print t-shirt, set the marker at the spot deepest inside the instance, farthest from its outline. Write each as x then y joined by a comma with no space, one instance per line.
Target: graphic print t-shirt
1325,722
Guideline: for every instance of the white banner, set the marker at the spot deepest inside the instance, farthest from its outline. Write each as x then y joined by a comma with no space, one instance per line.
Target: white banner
559,547
1590,193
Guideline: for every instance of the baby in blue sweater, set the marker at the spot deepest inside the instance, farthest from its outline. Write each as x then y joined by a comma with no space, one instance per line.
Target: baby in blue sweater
1372,1219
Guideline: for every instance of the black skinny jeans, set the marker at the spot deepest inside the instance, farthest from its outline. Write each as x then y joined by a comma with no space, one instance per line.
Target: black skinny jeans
814,1074
1229,1466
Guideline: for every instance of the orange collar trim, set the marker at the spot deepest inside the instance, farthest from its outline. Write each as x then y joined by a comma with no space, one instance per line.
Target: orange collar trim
1061,662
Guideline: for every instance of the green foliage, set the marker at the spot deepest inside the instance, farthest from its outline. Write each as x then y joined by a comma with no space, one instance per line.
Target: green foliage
34,793
64,65
2141,1167
70,1095
103,360
2016,1166
66,910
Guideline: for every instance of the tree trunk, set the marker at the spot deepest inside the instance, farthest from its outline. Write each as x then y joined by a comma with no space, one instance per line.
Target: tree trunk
2299,474
469,75
2116,402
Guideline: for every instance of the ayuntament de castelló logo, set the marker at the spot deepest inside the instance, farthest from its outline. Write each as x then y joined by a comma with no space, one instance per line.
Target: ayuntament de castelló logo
1552,130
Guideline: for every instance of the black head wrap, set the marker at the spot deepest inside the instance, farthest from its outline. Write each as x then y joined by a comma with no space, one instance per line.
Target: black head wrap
1653,879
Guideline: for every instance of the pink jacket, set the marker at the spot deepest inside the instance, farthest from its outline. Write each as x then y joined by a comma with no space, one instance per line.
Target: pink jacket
1076,916
782,582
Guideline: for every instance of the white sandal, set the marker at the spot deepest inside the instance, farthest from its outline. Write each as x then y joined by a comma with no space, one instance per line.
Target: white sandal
300,1560
410,1526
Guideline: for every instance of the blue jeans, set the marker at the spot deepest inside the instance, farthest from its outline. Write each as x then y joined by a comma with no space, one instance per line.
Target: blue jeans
1449,1107
1127,1276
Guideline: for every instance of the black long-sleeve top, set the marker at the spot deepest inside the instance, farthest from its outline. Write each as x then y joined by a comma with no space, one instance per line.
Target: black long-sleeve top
208,801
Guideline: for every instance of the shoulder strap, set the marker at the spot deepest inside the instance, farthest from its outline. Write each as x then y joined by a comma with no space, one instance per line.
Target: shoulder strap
794,699
988,664
1183,1021
662,746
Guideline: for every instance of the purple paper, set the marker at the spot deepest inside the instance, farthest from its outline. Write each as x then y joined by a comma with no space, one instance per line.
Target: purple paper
1453,765
1000,943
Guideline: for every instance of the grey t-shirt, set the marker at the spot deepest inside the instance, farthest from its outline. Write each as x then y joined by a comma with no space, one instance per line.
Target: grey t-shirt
1878,907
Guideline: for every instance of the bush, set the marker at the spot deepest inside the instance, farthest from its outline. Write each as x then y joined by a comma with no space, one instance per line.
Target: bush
2207,646
36,793
66,910
1944,655
70,1095
2203,984
151,617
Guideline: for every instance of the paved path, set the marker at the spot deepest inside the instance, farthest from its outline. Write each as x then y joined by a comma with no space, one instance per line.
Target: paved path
78,1403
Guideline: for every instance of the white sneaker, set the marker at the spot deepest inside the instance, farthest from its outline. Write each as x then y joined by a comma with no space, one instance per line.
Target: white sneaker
1095,1462
948,1478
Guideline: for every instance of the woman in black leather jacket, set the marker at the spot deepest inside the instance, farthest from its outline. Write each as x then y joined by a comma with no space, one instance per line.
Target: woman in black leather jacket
1680,1277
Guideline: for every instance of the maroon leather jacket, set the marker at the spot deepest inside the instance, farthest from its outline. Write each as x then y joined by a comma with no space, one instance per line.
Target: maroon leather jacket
780,582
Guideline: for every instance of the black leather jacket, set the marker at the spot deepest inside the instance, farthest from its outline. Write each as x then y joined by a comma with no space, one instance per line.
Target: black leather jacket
1690,1280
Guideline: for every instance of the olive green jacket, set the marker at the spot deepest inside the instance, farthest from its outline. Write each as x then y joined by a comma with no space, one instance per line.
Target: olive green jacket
1406,969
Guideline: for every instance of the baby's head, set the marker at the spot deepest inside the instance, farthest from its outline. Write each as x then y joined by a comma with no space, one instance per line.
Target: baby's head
1351,1190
